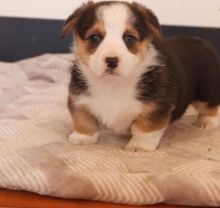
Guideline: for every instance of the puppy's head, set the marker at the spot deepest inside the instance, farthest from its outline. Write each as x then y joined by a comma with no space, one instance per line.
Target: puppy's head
113,38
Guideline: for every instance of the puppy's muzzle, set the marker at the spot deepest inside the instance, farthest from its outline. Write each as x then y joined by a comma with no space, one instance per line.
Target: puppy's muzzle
112,63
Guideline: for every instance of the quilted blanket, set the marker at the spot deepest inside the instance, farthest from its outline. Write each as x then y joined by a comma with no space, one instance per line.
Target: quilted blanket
35,154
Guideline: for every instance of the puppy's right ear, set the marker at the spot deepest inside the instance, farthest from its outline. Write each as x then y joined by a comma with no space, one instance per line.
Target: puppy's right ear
72,21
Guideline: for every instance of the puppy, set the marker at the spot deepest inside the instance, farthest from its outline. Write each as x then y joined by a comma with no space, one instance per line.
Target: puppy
130,79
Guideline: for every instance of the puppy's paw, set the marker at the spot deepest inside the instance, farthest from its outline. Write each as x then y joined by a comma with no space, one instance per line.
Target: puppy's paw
207,122
77,138
144,141
136,147
142,144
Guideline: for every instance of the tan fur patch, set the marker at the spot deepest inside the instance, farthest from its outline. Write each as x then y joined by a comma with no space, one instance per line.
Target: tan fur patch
84,122
132,31
141,47
81,50
205,110
144,124
84,47
98,27
148,108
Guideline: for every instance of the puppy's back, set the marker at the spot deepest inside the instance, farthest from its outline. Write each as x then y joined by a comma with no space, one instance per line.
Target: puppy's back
196,67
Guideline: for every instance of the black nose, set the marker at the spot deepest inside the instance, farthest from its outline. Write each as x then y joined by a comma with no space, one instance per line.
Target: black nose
112,62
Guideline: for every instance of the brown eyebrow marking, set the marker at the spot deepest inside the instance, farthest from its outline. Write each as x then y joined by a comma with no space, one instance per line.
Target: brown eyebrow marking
97,28
141,45
130,30
84,46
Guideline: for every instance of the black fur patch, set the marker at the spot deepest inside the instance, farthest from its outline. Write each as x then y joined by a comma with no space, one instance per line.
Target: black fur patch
190,72
156,87
139,23
86,22
195,69
148,87
78,84
145,21
70,104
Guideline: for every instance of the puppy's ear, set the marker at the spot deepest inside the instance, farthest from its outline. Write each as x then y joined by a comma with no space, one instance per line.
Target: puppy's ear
72,21
150,20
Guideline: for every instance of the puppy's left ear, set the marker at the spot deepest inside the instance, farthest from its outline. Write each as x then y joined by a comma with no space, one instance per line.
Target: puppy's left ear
150,20
73,20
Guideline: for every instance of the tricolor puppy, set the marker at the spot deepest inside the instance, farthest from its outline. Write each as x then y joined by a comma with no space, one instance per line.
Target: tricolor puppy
130,79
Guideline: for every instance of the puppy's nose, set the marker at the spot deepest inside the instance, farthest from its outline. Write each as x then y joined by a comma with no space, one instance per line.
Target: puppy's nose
112,62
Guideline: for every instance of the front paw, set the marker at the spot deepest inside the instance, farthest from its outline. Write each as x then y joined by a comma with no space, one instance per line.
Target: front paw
78,138
148,141
207,122
136,146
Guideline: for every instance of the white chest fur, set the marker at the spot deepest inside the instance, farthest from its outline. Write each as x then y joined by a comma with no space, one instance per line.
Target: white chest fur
113,104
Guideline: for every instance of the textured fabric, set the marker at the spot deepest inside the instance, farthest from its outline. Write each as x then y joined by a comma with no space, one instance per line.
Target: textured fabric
36,156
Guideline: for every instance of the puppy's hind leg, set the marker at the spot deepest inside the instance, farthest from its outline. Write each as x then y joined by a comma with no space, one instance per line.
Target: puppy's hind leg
207,117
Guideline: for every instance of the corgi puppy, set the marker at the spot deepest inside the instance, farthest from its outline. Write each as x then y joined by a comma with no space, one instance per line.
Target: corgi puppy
130,79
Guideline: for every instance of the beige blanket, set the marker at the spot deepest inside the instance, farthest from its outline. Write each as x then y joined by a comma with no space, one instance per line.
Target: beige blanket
36,156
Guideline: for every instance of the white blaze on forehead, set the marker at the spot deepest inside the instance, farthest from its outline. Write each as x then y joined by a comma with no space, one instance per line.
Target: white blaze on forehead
114,17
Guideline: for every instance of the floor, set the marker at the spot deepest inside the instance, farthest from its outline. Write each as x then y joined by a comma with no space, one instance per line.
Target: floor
20,199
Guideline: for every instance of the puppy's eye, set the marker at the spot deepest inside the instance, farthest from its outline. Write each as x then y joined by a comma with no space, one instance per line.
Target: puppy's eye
96,39
129,40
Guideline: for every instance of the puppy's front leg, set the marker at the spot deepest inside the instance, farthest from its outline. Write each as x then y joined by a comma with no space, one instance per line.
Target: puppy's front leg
146,134
85,127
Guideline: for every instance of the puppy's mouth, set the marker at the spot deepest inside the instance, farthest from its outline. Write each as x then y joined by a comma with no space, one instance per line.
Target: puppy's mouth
111,72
